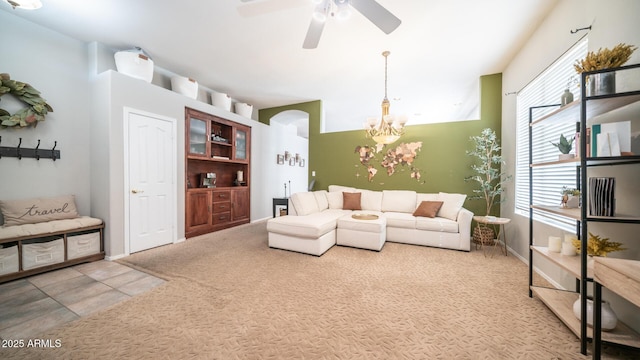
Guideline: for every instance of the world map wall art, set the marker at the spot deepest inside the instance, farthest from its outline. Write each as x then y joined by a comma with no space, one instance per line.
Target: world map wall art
395,159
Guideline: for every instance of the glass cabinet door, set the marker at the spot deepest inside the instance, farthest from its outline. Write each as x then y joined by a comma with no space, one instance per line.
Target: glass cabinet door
197,137
241,145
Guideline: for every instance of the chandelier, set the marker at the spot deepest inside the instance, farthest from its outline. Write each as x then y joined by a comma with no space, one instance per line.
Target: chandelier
388,128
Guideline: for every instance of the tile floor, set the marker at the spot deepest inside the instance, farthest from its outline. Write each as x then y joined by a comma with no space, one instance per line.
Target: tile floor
38,303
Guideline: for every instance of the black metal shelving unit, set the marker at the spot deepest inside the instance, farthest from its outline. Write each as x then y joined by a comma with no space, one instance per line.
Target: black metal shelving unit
580,111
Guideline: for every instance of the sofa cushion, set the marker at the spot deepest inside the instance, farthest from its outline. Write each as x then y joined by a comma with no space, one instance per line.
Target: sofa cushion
37,210
400,220
427,197
305,203
371,200
335,200
338,188
321,199
428,209
307,226
399,201
351,201
436,224
452,203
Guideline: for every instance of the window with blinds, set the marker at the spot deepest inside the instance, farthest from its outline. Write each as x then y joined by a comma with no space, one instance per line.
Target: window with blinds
546,89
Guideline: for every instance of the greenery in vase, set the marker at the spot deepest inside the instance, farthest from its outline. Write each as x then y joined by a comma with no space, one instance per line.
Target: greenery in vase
605,58
598,246
489,173
564,145
570,191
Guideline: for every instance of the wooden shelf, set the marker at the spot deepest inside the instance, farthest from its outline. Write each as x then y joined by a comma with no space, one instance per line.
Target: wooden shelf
560,302
568,263
573,213
557,162
571,111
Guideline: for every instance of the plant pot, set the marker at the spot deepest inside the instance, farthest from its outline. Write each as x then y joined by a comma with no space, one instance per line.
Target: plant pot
609,318
185,86
602,84
566,156
572,202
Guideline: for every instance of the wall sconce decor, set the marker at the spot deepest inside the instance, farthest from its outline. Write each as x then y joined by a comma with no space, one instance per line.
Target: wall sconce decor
280,159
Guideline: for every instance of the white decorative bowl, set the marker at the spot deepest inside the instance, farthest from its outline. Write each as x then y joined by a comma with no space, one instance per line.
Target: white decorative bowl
221,100
243,109
185,86
134,64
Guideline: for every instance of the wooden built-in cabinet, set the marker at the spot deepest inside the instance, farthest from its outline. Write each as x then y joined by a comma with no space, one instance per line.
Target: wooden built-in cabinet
222,147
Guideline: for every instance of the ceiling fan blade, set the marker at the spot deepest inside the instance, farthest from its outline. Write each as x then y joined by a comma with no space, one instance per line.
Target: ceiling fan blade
313,34
255,8
377,14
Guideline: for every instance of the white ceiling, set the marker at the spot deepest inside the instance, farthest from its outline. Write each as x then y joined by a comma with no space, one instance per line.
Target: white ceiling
253,50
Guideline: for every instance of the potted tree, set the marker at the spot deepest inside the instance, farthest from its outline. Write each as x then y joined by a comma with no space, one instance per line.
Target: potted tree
489,176
565,146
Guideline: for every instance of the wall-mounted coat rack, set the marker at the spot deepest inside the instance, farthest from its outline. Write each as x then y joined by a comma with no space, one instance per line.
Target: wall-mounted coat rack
35,153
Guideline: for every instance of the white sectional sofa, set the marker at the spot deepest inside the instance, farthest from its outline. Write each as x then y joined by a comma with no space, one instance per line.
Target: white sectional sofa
317,220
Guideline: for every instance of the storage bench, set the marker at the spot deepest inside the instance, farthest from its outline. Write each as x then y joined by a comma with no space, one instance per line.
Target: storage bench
30,249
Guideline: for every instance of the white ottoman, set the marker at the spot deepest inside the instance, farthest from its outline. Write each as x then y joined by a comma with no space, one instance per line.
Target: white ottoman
364,232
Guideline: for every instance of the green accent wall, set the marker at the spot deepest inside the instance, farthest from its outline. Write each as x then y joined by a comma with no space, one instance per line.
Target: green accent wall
443,160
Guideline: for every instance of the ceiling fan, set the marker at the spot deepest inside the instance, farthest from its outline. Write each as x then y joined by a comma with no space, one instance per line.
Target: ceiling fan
371,9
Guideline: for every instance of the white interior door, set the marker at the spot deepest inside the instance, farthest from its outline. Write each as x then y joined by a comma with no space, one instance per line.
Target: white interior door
151,189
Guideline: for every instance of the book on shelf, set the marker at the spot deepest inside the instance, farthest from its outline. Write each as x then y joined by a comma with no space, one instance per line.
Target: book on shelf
609,139
602,196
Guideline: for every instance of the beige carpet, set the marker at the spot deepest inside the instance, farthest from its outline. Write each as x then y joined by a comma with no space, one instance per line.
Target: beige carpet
231,297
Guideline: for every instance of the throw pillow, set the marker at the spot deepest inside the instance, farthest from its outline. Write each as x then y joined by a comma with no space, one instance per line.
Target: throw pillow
351,201
32,211
428,209
305,203
451,206
335,200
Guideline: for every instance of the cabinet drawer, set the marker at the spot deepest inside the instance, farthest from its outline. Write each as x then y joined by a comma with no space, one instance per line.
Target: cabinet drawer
221,218
83,245
220,207
221,196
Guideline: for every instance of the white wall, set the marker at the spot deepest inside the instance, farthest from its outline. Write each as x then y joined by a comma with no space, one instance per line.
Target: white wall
55,65
614,21
88,100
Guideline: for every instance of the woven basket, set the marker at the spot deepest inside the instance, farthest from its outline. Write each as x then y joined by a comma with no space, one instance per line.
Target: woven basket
484,235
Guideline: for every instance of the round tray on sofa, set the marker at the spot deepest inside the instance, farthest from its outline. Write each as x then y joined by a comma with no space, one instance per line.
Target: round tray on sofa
365,216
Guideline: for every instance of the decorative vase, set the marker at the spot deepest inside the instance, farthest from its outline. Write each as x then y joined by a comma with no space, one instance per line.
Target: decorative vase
609,318
602,84
134,63
566,98
572,202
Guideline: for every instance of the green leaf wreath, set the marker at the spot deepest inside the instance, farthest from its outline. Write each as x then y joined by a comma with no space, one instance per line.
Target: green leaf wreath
30,116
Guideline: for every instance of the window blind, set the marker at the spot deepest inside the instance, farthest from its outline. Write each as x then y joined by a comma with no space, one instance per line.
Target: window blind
546,89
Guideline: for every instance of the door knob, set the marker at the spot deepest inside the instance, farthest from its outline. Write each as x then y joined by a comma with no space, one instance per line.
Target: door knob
134,191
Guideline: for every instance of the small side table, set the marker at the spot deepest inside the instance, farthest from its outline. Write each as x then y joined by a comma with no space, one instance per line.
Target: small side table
280,201
497,223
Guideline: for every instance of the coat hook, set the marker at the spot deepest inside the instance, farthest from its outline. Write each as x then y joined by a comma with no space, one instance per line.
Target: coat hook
37,154
580,29
18,150
53,151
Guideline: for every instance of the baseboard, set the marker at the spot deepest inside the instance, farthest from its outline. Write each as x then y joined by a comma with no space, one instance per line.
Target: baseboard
180,240
537,270
115,257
